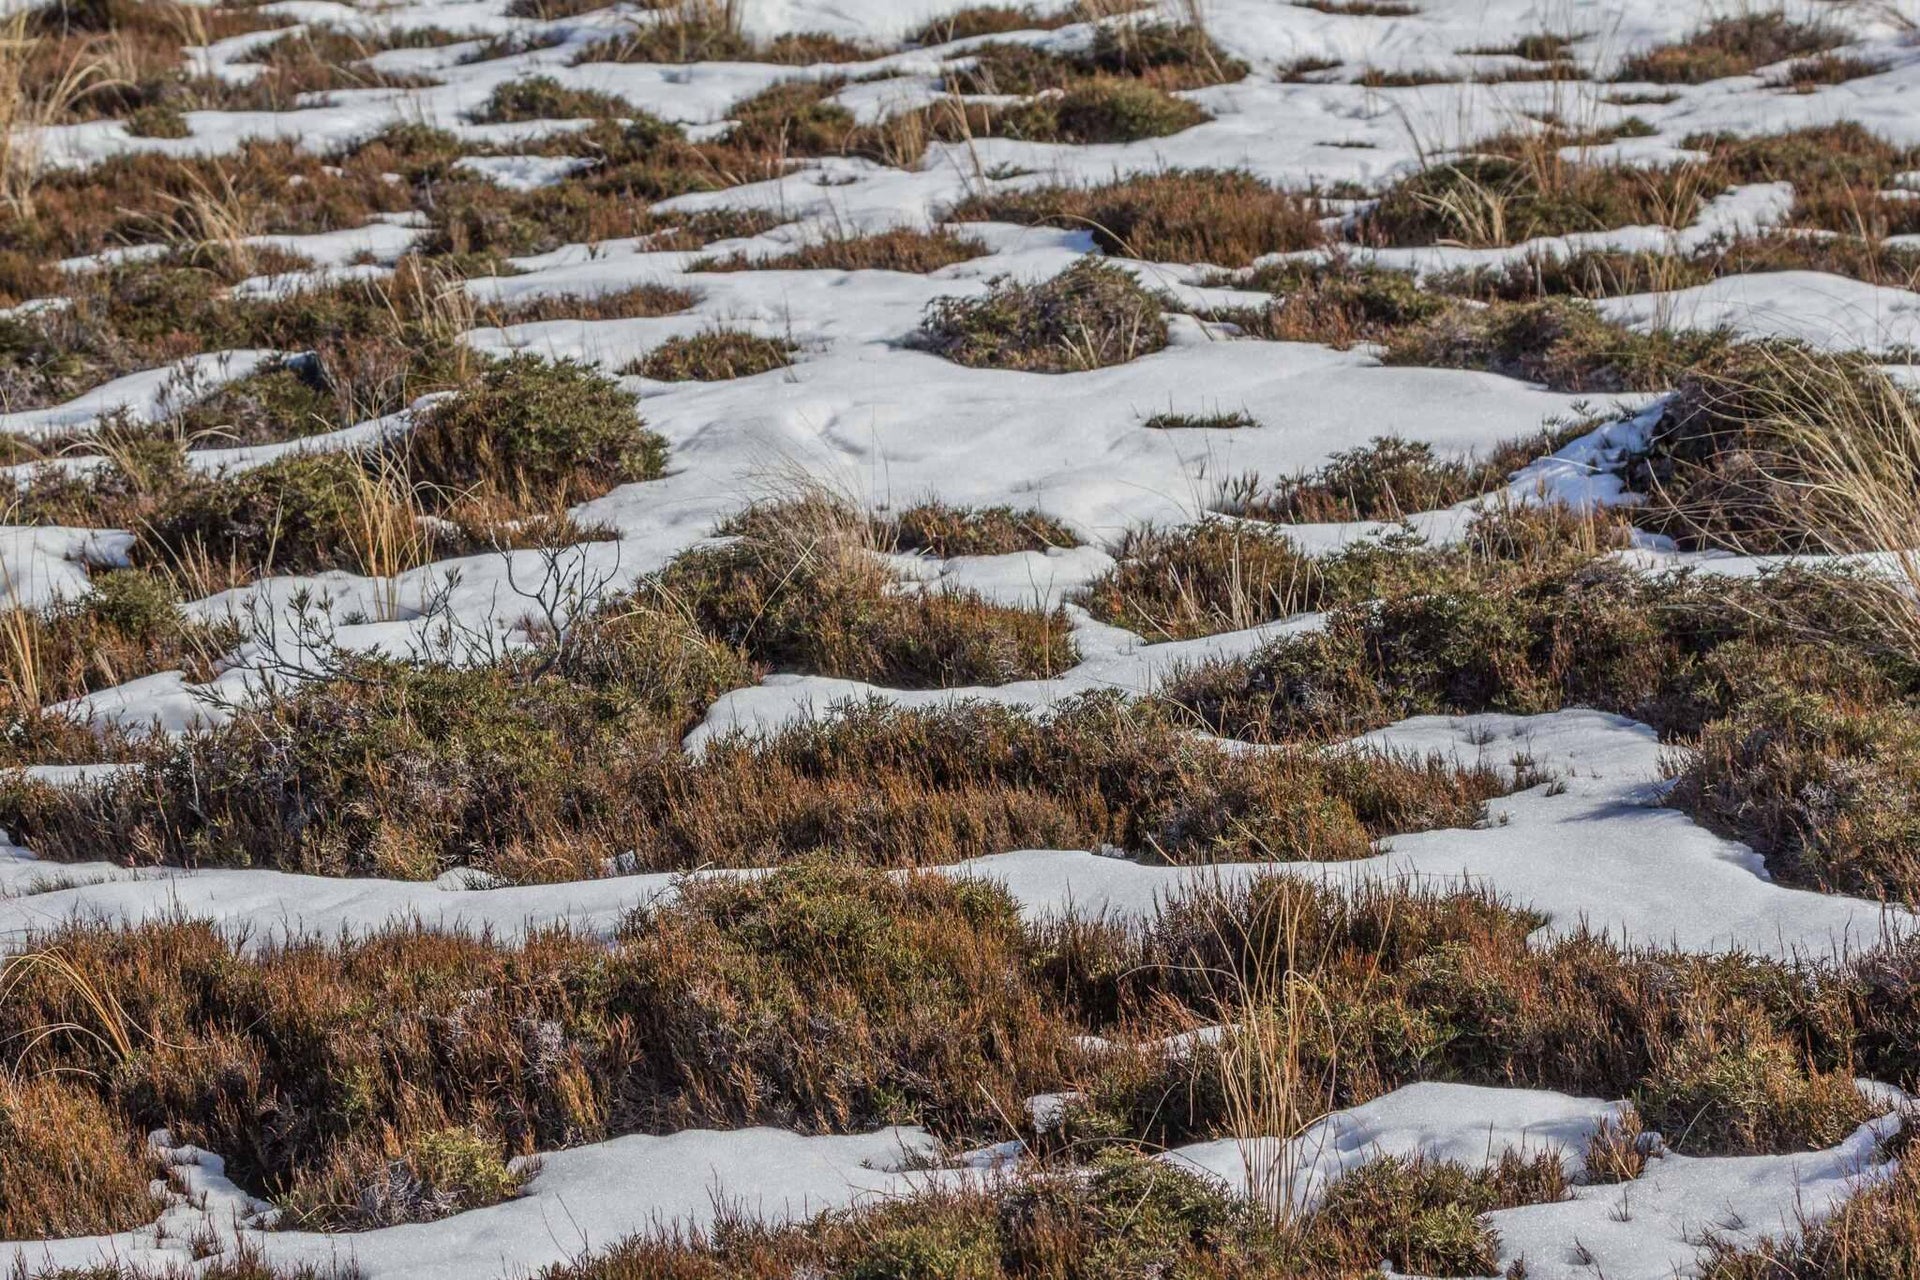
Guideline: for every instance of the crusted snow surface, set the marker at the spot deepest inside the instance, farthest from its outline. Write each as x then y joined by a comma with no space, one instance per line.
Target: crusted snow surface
1591,849
587,1197
581,1199
1826,311
1647,1229
865,414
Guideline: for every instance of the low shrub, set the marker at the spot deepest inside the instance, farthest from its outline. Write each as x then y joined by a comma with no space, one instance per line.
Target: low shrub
419,772
816,1000
293,515
284,401
1175,584
1450,641
1843,176
1733,45
1873,1232
901,249
435,1174
713,356
127,625
1424,1215
537,434
68,1165
1772,447
1389,479
1336,303
1732,1084
1226,218
801,588
544,98
1091,315
1099,110
937,529
1561,343
986,20
1493,199
1820,783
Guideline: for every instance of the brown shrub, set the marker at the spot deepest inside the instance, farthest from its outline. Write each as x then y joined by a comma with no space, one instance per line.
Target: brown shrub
902,249
68,1165
713,356
1494,199
1735,45
1204,578
1224,218
937,529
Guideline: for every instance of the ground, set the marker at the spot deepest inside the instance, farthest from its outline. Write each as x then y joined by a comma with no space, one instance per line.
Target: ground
730,638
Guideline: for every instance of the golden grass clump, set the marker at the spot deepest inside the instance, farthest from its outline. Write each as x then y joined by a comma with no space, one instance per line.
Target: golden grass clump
68,1165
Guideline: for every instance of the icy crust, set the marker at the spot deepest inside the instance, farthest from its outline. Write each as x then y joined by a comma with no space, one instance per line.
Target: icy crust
588,1197
1590,849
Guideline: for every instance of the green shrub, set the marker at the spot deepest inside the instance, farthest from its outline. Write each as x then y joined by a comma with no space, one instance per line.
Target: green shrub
406,774
1388,479
1735,1086
293,515
1742,454
938,529
284,401
541,434
1204,578
1335,303
1484,200
1091,315
713,356
1099,110
800,588
544,98
1820,781
1423,1216
1561,343
1734,45
158,120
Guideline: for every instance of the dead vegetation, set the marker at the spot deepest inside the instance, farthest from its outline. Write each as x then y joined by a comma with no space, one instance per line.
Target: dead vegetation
68,1165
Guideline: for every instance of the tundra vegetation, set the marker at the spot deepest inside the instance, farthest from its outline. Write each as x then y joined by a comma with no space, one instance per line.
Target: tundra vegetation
505,393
